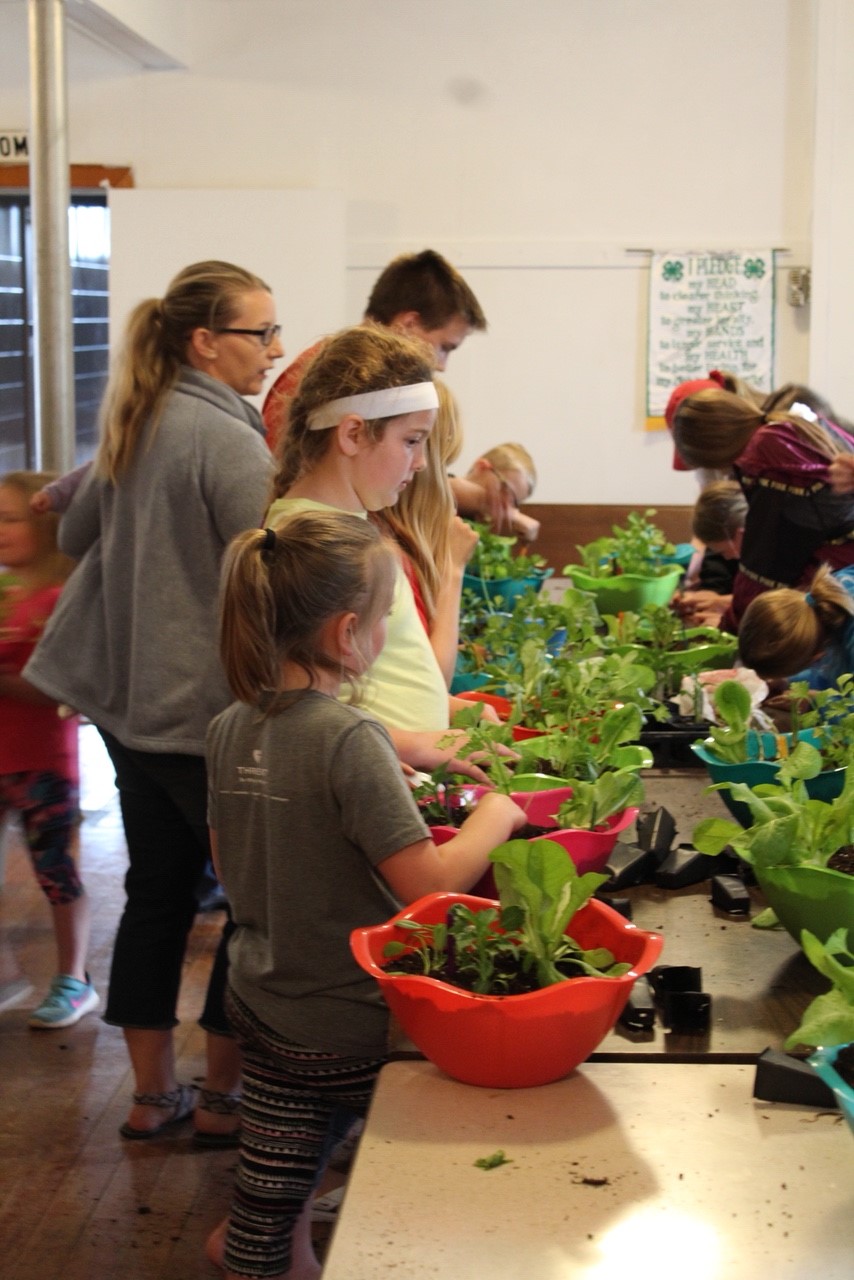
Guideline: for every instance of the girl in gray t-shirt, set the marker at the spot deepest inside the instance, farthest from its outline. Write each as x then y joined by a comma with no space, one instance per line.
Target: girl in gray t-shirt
315,833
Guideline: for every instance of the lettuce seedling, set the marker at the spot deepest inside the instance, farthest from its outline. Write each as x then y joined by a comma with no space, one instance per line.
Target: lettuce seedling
789,828
540,891
592,803
829,1020
638,547
493,557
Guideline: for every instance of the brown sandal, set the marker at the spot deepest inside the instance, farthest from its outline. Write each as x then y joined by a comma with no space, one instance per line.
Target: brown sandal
218,1104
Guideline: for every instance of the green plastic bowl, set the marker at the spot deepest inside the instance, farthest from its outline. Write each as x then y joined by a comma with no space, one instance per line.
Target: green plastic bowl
626,591
805,897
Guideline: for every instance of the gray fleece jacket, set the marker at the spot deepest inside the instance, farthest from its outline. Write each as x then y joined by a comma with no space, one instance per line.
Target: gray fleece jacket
133,641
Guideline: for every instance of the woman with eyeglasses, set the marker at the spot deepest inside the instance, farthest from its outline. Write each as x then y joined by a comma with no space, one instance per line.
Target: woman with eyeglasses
181,468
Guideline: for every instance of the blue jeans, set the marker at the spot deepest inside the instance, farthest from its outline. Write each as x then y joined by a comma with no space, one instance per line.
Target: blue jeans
164,811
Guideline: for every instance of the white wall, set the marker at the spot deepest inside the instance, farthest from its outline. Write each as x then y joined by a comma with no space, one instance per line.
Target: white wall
533,142
832,344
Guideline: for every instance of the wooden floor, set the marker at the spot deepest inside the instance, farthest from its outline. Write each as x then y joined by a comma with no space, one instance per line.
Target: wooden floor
76,1202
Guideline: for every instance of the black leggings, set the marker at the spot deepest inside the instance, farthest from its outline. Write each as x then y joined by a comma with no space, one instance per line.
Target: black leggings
164,811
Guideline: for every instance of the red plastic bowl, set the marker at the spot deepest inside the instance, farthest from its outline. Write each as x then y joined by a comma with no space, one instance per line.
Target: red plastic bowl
502,706
509,1042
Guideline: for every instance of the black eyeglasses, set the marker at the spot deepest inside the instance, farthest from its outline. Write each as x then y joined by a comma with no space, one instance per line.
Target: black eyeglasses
265,336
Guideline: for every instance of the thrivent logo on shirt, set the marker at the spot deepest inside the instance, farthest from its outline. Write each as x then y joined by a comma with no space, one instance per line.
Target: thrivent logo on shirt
255,773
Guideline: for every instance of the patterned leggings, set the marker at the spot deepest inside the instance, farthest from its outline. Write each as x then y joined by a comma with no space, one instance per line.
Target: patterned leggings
297,1103
47,804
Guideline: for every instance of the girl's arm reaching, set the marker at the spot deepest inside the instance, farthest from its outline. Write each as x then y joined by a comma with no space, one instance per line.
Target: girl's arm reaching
455,866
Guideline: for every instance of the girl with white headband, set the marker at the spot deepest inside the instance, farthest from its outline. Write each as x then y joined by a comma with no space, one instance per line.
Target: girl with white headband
358,427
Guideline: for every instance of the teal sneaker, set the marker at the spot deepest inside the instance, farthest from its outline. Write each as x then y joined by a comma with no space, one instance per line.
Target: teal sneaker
64,1004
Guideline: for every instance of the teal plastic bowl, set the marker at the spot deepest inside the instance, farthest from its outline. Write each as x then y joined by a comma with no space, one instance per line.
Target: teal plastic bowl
508,589
826,786
466,681
682,555
806,897
823,1063
626,591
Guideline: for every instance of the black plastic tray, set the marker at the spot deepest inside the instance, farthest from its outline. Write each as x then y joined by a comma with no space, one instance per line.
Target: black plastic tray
670,742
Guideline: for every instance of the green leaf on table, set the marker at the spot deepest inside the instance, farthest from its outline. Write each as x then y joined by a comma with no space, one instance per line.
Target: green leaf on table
494,1161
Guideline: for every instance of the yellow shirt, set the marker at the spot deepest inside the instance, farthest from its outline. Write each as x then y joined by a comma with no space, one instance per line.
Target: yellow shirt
405,688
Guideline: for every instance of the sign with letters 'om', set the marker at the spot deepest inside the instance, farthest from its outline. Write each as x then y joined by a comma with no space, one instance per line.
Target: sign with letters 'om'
14,146
708,310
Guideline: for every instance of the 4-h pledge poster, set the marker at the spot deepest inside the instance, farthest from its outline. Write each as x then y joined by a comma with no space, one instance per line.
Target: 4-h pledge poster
708,310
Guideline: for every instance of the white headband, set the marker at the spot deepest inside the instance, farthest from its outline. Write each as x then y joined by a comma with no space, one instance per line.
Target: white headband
387,403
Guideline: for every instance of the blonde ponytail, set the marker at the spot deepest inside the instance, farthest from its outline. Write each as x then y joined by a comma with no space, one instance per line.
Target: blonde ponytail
279,586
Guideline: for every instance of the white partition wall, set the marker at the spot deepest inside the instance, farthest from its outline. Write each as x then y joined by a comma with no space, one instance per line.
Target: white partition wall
292,239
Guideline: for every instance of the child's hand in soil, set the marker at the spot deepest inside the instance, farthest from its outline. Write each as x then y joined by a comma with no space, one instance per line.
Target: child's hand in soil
498,805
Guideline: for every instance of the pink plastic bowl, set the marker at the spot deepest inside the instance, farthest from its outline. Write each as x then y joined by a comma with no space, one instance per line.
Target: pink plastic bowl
589,850
509,1042
540,806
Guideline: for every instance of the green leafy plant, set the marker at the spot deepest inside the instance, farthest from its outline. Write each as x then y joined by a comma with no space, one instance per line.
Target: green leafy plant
731,739
592,803
829,1019
521,947
638,547
540,891
605,725
493,557
789,828
487,742
658,637
830,712
551,692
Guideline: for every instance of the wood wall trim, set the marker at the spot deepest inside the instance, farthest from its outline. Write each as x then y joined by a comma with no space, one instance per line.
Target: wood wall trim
82,177
564,526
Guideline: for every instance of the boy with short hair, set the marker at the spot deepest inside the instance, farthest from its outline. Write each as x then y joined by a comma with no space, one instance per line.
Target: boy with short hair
418,294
